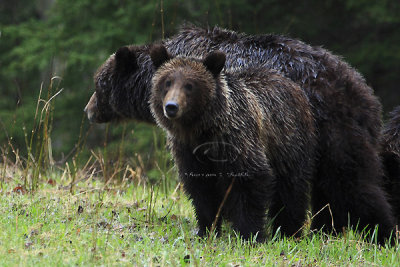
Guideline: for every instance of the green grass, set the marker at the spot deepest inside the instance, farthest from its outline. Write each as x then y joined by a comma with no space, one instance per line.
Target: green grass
134,223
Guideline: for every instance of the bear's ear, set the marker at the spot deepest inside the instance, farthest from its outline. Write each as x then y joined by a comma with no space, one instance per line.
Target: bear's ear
126,60
215,62
159,55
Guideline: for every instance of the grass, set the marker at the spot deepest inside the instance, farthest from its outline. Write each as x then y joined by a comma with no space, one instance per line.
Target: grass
114,214
136,224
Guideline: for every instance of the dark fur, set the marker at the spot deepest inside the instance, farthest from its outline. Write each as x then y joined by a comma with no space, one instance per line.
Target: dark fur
391,159
347,114
268,121
123,85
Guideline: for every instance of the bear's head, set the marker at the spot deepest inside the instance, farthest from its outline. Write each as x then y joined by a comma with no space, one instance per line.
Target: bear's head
120,83
184,88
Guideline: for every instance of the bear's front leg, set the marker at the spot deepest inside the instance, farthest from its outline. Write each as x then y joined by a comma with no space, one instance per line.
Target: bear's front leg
246,205
201,184
206,201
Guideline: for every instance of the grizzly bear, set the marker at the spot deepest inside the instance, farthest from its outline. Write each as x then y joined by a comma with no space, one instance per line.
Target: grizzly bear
258,121
391,159
347,115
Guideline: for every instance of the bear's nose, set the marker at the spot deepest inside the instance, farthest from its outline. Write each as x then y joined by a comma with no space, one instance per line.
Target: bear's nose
171,108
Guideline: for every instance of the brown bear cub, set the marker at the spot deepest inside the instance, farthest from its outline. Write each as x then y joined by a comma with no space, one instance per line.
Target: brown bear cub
253,126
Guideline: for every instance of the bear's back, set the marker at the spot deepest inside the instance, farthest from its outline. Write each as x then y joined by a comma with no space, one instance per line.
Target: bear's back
277,106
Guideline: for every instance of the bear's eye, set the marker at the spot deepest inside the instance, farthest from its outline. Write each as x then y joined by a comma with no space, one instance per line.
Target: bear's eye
168,83
188,87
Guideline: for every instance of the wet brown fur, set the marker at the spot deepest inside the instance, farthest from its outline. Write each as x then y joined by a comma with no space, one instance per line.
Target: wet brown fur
266,117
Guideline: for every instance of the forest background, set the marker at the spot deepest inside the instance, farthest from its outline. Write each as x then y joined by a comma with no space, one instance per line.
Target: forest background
59,44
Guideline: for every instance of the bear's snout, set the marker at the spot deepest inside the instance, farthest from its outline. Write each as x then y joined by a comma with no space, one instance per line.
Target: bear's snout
171,109
91,108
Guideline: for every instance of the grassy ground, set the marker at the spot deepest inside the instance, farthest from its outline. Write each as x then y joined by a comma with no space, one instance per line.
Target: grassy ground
134,223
